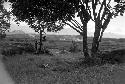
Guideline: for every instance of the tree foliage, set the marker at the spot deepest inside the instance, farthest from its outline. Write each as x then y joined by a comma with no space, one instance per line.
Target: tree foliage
102,12
4,18
49,14
54,14
50,11
38,13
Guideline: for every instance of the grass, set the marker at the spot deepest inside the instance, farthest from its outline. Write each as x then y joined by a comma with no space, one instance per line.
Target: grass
45,69
30,69
62,68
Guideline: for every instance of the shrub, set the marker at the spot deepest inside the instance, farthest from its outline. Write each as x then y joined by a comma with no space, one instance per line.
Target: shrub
9,52
45,50
115,56
17,49
25,47
28,47
74,47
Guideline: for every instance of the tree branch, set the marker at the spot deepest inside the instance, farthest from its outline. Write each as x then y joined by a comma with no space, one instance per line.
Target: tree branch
73,27
104,1
77,25
105,24
100,38
76,22
103,15
109,2
94,7
90,15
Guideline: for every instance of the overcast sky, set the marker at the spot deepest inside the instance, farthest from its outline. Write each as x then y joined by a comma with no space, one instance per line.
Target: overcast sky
117,25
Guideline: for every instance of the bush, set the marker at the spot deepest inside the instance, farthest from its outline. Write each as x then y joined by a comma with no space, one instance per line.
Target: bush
44,50
11,51
115,56
18,48
74,47
28,48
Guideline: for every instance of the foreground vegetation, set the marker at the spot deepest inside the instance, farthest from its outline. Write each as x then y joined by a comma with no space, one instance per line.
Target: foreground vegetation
63,66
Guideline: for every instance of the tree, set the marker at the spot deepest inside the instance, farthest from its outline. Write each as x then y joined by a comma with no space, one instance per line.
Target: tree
56,12
102,12
65,11
40,26
4,20
37,18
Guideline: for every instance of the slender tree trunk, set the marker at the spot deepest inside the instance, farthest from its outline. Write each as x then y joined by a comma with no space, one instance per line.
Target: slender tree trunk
95,43
85,46
41,43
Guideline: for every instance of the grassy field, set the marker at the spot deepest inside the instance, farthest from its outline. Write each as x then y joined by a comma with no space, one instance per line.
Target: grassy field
63,67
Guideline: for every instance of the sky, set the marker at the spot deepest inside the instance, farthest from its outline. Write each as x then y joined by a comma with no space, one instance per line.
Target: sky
116,25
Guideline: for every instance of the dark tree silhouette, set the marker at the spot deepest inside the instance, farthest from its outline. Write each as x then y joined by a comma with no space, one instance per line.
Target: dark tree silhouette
53,12
102,12
35,16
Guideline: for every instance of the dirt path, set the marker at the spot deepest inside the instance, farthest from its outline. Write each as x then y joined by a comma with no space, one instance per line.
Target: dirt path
4,76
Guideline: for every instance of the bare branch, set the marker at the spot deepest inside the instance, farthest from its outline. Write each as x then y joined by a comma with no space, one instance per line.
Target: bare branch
109,2
78,25
94,7
103,15
104,2
106,22
73,27
100,38
77,22
90,15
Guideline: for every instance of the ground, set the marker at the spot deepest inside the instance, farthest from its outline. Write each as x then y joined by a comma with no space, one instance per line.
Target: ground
62,68
4,75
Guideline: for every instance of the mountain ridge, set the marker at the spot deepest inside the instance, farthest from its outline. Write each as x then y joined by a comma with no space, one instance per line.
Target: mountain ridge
90,34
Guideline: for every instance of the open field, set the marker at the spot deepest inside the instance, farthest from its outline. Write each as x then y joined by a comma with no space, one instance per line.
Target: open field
63,67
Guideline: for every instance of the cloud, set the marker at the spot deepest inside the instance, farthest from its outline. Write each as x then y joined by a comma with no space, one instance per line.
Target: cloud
117,25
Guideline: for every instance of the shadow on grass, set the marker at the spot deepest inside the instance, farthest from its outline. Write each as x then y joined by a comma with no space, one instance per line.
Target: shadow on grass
43,68
109,57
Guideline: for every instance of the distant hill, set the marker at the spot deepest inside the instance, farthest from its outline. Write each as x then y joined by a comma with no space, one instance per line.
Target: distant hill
18,34
22,34
69,31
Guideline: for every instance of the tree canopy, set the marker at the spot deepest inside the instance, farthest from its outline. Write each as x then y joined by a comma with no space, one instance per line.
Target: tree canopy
41,12
4,18
54,14
53,11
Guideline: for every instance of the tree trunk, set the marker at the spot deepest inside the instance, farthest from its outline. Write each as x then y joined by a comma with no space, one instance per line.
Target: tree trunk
41,43
85,46
95,43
